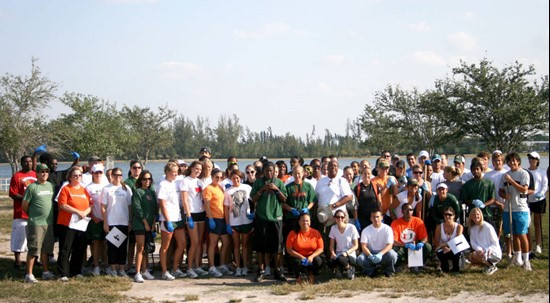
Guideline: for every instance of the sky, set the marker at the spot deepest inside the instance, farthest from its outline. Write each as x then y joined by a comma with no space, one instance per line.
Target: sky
285,64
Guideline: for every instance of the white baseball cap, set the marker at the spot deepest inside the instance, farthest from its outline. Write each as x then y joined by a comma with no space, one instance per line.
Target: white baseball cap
534,154
424,153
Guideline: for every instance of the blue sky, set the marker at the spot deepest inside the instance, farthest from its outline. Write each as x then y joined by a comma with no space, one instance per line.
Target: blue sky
284,64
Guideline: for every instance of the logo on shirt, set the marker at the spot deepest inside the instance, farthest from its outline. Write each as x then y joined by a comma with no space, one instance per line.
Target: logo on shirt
44,193
78,196
198,189
407,236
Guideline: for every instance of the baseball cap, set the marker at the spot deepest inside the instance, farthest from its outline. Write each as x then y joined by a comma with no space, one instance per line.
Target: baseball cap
263,159
41,166
423,153
182,162
412,182
497,152
205,149
97,167
436,157
94,158
534,154
459,159
395,156
442,185
383,164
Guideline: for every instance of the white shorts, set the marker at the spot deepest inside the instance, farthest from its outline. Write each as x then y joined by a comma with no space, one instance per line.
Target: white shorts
18,241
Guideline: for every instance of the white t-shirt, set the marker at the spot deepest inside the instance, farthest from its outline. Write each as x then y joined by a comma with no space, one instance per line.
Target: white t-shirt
344,241
466,176
519,201
117,201
193,187
377,238
541,183
168,192
437,178
238,200
495,176
227,183
94,190
402,197
329,191
87,179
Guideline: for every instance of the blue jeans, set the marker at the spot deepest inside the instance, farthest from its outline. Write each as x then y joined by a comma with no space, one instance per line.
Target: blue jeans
387,264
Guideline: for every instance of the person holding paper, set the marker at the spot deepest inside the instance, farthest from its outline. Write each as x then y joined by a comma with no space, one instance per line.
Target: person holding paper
376,243
484,242
74,203
409,233
116,206
445,232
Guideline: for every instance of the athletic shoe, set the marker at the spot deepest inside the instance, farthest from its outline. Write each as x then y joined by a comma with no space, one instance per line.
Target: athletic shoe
338,273
238,272
214,272
415,270
192,274
351,273
47,275
110,272
515,261
147,275
178,273
267,271
199,271
132,270
224,270
85,271
538,249
79,276
260,276
30,279
97,271
138,278
167,276
64,279
527,265
280,275
490,270
244,272
122,273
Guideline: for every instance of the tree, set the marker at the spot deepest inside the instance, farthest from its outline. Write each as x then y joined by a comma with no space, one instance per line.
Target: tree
22,101
148,131
500,106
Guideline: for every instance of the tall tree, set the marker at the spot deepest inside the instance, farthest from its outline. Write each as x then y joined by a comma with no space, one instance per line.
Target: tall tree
22,102
501,106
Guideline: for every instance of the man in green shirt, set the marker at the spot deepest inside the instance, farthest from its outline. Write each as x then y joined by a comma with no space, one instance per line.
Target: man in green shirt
479,192
37,203
268,193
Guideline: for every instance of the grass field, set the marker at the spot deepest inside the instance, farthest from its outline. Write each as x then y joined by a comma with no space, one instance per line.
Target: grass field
513,281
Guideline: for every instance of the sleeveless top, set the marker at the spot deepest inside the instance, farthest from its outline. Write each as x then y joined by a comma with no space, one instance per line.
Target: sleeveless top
446,238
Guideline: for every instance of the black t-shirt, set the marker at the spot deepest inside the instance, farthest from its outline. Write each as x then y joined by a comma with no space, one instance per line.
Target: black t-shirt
366,203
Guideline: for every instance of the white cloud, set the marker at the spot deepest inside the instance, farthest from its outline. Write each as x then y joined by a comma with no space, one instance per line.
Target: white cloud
335,59
428,57
463,40
268,30
419,27
470,15
179,70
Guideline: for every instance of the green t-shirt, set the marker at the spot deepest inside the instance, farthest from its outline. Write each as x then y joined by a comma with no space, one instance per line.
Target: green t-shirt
39,197
144,205
131,182
299,196
436,211
483,190
268,207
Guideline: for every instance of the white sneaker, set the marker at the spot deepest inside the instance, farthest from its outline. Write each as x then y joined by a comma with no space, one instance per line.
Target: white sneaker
214,272
64,279
268,271
30,279
97,271
192,274
167,276
147,275
47,275
538,249
138,278
178,273
224,270
238,272
122,273
199,271
515,261
527,265
110,272
490,270
244,272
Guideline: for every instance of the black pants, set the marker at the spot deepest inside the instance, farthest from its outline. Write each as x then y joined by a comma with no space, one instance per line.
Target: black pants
298,268
72,245
118,255
445,257
342,262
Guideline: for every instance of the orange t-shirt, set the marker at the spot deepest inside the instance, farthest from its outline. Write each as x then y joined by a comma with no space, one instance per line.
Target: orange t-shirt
407,232
305,243
214,194
77,198
381,183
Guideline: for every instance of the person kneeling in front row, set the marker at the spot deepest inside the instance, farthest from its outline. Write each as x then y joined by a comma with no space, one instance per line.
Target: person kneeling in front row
376,244
305,246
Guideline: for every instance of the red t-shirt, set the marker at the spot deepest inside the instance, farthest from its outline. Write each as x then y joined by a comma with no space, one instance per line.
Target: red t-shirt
305,243
18,185
75,197
408,232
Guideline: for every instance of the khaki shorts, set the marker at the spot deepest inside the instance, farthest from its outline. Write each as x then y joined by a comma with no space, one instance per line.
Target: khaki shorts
40,239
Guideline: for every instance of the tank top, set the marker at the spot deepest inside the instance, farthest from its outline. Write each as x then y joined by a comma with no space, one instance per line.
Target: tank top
446,238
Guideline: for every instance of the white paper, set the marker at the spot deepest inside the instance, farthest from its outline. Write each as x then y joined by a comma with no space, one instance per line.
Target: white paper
458,244
415,258
79,224
116,237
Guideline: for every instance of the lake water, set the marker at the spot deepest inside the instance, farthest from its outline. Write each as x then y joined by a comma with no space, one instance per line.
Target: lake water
156,167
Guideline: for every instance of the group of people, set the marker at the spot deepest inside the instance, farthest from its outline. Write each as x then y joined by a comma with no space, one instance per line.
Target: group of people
305,217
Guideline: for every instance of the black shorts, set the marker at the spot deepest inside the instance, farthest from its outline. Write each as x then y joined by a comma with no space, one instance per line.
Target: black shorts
268,236
139,232
220,228
538,207
199,217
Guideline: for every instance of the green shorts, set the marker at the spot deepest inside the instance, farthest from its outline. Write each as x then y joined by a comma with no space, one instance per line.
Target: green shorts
95,231
243,229
40,239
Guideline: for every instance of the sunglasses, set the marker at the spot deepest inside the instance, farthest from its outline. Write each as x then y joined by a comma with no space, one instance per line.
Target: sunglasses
250,171
448,215
136,167
45,171
409,209
339,217
418,172
531,158
116,175
78,176
146,179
